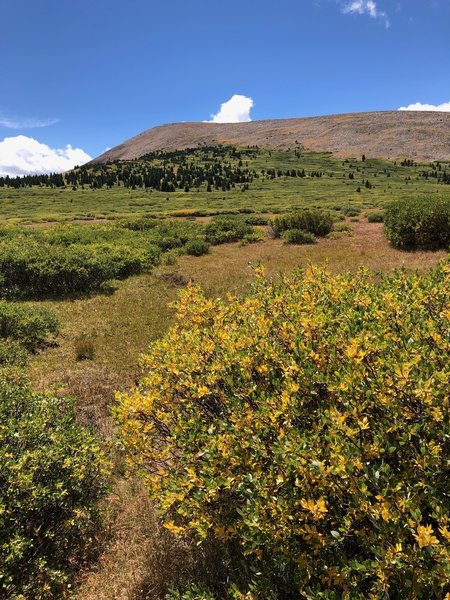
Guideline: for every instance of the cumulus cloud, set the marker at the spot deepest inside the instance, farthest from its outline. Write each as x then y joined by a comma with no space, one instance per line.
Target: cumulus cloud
444,107
235,110
22,155
14,123
365,7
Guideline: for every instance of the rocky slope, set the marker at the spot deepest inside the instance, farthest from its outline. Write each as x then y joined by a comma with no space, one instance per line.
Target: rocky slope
393,134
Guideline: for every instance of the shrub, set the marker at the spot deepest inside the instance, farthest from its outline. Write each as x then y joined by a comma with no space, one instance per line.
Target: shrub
224,230
351,211
343,227
51,474
308,425
375,217
30,327
196,247
257,220
298,236
312,220
143,223
191,592
40,269
252,238
12,354
418,224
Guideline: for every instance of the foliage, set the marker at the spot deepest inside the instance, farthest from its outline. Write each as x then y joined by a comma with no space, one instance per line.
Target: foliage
257,220
312,220
51,475
12,354
252,238
309,424
418,224
196,247
30,327
40,269
191,592
375,217
351,211
298,236
222,230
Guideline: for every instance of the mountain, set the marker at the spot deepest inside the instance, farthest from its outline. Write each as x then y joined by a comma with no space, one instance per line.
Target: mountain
391,134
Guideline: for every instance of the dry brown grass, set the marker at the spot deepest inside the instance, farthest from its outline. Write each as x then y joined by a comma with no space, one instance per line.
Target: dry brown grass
140,558
227,267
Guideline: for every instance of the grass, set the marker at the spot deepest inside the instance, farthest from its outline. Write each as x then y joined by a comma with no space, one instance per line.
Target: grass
389,180
122,324
138,559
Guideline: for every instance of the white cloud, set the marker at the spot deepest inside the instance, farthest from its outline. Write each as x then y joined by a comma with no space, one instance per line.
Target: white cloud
365,7
444,107
235,110
14,123
22,155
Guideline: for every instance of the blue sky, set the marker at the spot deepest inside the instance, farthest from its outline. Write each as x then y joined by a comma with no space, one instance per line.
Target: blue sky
94,73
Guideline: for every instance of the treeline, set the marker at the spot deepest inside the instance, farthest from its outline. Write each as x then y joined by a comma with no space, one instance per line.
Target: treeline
272,173
160,171
440,176
47,180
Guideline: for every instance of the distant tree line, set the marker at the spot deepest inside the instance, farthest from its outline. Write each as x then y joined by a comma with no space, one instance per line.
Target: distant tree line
439,175
161,171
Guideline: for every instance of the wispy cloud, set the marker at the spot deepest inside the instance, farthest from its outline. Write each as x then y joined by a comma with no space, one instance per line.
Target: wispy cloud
444,107
22,155
235,110
366,7
16,123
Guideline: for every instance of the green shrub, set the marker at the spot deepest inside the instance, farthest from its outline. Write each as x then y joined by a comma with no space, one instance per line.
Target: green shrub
307,425
223,230
139,223
298,236
343,227
13,354
51,475
257,220
351,211
336,235
40,269
30,327
418,224
315,221
252,238
375,217
196,247
190,592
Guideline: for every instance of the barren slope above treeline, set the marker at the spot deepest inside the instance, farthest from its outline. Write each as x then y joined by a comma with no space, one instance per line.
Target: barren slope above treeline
393,134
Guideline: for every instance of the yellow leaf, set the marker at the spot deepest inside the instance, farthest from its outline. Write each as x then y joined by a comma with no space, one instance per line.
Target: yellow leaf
425,537
318,508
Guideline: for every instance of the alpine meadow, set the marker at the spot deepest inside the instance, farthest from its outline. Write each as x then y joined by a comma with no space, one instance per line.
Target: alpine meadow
225,343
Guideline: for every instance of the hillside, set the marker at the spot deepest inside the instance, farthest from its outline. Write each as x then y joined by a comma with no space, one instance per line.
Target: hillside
393,134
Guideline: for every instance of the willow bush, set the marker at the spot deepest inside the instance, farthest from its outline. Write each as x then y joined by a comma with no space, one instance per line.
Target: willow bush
307,424
312,220
30,268
32,328
418,224
52,472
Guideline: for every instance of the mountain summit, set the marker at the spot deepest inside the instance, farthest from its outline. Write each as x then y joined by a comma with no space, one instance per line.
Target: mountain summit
390,134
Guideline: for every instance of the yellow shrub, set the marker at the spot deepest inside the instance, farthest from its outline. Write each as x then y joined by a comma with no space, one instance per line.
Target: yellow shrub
309,423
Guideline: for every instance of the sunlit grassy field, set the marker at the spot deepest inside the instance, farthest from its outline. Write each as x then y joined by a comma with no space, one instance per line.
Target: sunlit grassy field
117,323
338,185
